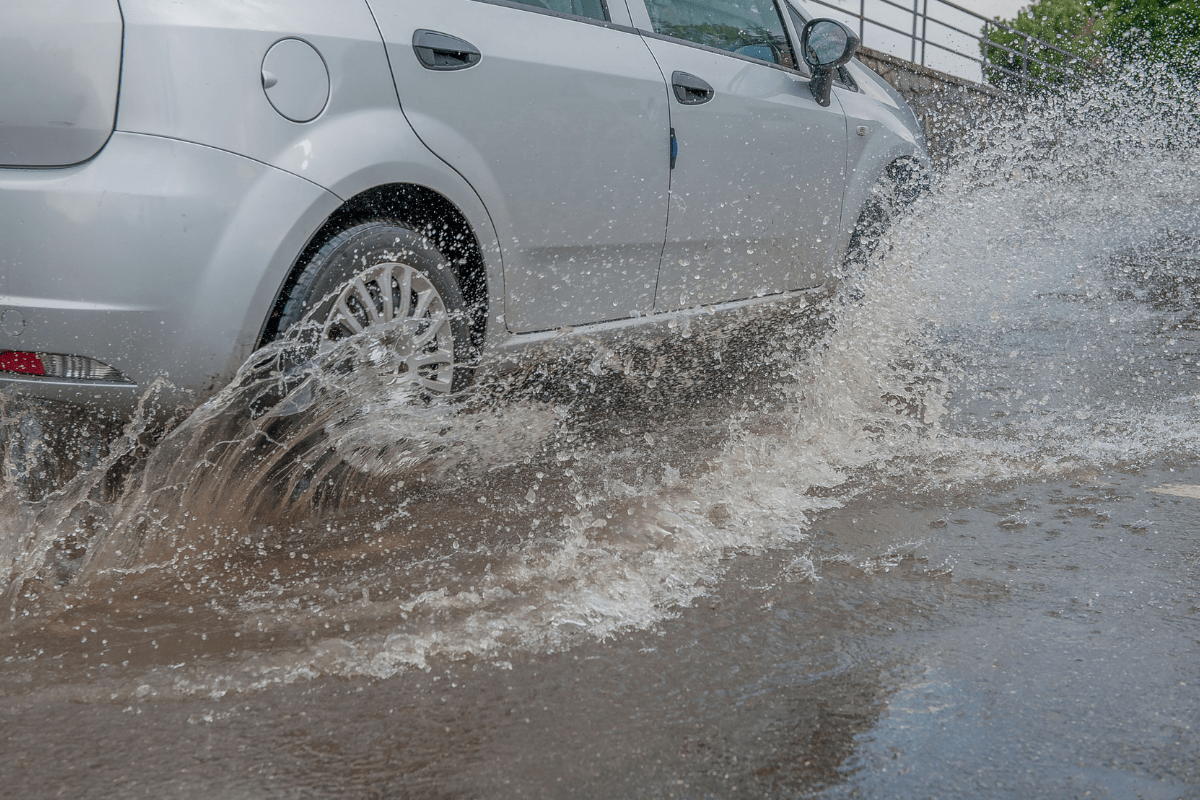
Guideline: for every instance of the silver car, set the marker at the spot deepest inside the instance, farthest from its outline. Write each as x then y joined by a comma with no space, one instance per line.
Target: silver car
181,183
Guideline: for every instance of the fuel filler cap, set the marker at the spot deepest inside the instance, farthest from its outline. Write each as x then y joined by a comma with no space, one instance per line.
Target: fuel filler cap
296,80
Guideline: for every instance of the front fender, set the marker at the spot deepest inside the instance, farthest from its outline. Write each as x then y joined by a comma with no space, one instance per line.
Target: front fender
888,135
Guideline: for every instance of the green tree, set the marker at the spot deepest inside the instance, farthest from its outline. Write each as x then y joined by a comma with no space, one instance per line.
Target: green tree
1077,30
1162,31
1156,31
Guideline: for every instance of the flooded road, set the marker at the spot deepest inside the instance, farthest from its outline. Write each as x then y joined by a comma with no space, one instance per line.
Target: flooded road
932,536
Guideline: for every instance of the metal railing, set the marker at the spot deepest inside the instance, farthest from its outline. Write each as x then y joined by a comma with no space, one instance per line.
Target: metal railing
1031,62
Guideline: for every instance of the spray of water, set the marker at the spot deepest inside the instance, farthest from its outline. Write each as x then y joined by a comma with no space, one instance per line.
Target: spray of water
1010,326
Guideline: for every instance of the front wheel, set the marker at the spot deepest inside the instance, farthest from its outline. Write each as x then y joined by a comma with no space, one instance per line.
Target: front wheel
382,277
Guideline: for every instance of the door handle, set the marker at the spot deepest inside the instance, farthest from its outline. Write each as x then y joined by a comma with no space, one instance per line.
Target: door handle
443,52
690,90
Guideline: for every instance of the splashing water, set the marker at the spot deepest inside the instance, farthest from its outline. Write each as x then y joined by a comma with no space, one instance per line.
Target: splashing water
1024,319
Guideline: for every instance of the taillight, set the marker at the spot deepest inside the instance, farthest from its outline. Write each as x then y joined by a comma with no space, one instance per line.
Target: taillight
55,365
26,363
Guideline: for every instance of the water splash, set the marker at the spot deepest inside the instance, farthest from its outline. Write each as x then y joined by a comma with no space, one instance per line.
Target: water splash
1010,327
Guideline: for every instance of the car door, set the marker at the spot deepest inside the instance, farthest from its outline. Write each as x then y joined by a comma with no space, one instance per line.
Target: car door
558,118
759,176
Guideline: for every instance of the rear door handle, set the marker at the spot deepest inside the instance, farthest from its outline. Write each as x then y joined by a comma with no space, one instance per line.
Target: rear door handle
690,90
443,52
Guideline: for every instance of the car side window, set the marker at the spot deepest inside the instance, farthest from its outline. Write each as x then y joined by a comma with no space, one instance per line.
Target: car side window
592,9
750,28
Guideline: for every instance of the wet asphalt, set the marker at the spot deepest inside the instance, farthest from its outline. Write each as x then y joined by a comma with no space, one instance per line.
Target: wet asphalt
1039,641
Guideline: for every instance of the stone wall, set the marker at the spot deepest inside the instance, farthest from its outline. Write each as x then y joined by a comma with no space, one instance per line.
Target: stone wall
947,106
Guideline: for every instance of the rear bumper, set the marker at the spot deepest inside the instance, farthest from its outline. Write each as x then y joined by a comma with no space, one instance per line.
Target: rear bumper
160,258
115,398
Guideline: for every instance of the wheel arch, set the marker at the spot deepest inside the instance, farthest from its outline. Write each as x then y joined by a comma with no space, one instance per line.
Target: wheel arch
426,211
905,172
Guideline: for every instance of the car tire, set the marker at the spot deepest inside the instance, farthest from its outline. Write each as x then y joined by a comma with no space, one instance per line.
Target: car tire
339,294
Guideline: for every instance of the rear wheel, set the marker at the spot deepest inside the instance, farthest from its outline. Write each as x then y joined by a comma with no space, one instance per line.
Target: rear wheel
385,278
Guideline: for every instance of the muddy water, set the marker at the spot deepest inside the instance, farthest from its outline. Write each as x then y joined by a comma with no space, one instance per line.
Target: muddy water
932,536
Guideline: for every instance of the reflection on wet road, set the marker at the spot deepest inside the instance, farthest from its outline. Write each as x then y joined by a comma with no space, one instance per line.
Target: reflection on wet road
933,536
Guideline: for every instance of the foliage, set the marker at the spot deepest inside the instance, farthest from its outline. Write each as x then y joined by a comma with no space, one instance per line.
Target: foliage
1157,31
1084,35
1075,27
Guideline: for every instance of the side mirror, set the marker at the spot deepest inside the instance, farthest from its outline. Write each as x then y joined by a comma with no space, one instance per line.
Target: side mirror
825,45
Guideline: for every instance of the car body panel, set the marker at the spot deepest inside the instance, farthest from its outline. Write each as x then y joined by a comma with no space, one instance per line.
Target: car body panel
756,162
184,298
61,66
562,129
213,53
194,71
756,194
164,253
879,134
520,352
881,129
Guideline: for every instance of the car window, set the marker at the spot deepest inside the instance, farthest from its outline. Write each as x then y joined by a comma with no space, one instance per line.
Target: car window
750,28
592,9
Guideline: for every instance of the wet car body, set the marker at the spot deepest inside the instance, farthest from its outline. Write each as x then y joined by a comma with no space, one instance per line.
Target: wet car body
165,168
